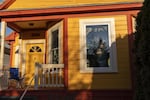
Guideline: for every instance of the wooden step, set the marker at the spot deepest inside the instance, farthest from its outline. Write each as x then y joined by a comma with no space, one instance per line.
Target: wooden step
65,94
17,98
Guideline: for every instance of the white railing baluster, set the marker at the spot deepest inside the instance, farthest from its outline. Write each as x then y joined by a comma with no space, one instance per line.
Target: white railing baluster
40,76
48,72
60,77
36,76
56,72
43,77
51,75
4,79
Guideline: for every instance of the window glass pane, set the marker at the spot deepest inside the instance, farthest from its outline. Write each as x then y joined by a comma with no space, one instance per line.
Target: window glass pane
35,49
54,50
55,56
97,45
55,39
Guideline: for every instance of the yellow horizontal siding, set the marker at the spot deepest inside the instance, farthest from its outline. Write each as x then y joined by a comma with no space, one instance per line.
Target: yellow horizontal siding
119,80
111,84
22,4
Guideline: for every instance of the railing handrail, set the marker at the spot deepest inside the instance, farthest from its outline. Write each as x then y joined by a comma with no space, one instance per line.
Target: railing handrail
52,65
4,73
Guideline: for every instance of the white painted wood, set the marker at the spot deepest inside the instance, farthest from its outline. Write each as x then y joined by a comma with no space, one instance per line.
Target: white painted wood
56,72
58,26
36,76
2,36
48,76
60,78
51,75
112,45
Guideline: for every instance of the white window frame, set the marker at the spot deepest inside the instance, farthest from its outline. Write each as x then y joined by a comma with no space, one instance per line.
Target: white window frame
112,45
59,27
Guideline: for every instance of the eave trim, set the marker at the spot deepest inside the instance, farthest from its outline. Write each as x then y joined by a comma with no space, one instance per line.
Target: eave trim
71,10
6,4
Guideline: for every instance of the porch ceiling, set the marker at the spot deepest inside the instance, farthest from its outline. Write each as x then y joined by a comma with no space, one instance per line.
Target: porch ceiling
31,25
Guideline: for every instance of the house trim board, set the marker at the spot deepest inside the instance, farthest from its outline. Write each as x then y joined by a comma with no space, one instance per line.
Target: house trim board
24,18
6,4
130,44
65,50
74,10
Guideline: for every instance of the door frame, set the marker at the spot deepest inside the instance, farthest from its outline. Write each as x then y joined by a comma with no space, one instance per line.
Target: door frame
24,52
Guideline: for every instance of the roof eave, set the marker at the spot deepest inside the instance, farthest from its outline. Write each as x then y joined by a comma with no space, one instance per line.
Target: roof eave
6,4
72,10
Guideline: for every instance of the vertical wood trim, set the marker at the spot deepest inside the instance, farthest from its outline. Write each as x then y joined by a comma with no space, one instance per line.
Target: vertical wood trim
46,48
130,44
3,32
11,52
2,40
65,50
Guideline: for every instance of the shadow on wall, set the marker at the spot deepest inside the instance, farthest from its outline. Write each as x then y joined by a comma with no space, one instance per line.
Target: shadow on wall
102,86
95,86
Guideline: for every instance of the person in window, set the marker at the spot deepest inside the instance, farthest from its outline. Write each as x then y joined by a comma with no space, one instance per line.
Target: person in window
97,48
101,54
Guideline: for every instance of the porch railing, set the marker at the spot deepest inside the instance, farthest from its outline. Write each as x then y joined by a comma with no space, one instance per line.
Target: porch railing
48,75
4,74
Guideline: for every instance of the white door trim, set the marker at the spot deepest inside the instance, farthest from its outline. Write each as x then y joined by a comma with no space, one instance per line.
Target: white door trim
24,52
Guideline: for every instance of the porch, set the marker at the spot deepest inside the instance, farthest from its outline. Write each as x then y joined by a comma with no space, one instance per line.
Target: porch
45,76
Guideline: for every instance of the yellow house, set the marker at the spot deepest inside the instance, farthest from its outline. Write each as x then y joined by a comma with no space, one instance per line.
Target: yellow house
71,49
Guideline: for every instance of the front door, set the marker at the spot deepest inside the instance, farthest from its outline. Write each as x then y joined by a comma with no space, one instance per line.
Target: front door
35,53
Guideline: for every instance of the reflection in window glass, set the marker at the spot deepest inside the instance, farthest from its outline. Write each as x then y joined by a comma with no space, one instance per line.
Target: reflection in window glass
54,48
97,44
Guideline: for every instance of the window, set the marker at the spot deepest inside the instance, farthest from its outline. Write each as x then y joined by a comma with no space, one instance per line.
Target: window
55,44
54,47
35,49
98,47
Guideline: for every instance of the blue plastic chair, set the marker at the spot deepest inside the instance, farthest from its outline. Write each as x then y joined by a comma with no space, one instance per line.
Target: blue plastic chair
14,75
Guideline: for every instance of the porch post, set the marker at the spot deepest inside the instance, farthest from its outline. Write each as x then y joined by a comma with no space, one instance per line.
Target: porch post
3,31
2,36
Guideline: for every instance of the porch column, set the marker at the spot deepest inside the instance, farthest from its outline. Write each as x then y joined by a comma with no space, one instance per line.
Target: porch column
2,36
3,31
